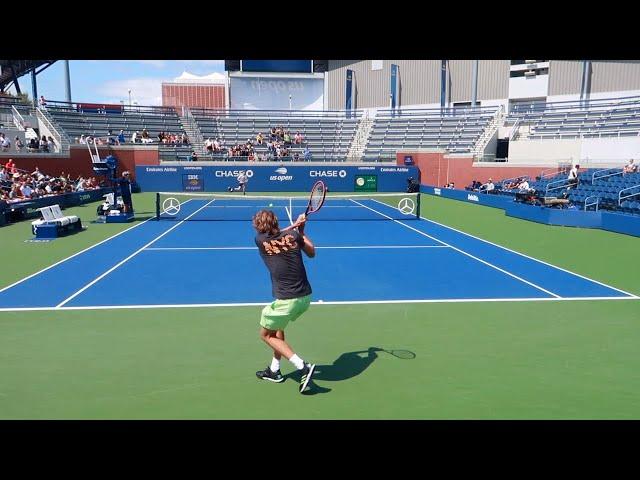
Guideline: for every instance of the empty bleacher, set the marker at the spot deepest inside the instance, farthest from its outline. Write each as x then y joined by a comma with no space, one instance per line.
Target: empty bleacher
575,119
328,135
453,130
76,120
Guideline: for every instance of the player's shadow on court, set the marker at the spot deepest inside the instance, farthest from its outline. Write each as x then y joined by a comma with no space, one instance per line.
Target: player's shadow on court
346,366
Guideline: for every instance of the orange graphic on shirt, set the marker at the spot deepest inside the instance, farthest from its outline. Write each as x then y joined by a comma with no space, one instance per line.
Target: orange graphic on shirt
276,246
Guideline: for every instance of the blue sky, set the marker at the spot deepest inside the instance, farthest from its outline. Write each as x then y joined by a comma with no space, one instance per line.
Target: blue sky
109,80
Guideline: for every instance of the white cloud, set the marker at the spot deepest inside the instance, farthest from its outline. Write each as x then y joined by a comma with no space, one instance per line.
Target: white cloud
145,91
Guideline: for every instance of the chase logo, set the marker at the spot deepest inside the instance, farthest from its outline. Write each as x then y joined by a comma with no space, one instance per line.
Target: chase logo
233,173
328,173
473,198
281,171
437,191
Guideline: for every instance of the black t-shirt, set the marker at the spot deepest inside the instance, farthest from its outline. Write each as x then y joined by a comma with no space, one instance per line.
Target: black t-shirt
282,254
125,187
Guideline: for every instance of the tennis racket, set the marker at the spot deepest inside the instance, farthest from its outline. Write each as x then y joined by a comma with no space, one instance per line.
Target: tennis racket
316,200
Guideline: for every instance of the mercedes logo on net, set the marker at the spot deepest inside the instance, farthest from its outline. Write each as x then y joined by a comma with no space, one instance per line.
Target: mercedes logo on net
406,206
171,206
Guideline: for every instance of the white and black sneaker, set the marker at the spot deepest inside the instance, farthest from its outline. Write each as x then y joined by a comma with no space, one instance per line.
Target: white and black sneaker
267,374
305,376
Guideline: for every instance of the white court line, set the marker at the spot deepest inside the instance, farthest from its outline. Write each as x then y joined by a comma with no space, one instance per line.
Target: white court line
76,254
346,302
127,259
461,251
326,247
279,206
530,258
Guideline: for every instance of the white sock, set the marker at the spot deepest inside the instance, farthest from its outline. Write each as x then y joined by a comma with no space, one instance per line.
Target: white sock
297,361
275,365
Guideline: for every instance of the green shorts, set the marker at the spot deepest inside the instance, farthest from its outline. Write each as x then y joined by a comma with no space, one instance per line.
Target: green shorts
279,313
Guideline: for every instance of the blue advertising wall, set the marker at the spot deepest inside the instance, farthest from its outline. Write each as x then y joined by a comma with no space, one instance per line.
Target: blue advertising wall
611,221
488,200
273,178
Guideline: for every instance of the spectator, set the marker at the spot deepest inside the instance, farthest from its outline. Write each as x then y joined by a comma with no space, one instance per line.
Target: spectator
43,144
121,138
33,145
524,187
134,137
194,156
298,138
42,102
26,190
573,177
306,155
51,145
259,139
185,139
111,139
5,143
10,166
631,167
145,136
287,138
83,140
487,187
19,145
217,146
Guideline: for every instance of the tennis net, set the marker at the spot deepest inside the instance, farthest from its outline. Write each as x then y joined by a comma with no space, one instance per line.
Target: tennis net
212,206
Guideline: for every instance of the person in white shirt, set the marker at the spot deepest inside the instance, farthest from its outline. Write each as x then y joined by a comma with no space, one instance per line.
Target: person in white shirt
6,143
524,186
242,183
488,187
630,168
134,137
573,177
26,190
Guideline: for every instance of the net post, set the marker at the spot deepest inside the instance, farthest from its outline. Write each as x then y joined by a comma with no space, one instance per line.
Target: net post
157,205
418,206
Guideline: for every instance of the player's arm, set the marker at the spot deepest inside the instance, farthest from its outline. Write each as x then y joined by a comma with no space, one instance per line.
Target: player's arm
307,245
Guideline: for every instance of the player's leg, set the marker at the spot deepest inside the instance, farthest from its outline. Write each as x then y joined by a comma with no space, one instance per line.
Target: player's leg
275,318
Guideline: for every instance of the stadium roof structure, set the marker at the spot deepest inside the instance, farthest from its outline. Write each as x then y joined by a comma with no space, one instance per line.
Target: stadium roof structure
11,70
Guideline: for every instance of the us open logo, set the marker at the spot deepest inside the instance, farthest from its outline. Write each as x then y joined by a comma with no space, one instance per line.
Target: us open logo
282,175
360,181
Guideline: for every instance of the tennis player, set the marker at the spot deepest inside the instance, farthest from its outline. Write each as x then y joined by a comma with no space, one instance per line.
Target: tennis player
281,251
242,183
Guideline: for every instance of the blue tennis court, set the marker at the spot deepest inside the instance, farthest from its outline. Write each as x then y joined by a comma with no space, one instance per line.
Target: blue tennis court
382,254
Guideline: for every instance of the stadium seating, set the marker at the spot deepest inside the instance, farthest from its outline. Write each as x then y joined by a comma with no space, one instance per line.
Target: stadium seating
606,189
328,134
453,130
596,118
77,122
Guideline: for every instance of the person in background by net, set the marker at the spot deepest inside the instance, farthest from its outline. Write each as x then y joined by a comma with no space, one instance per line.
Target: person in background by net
125,191
281,251
242,183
